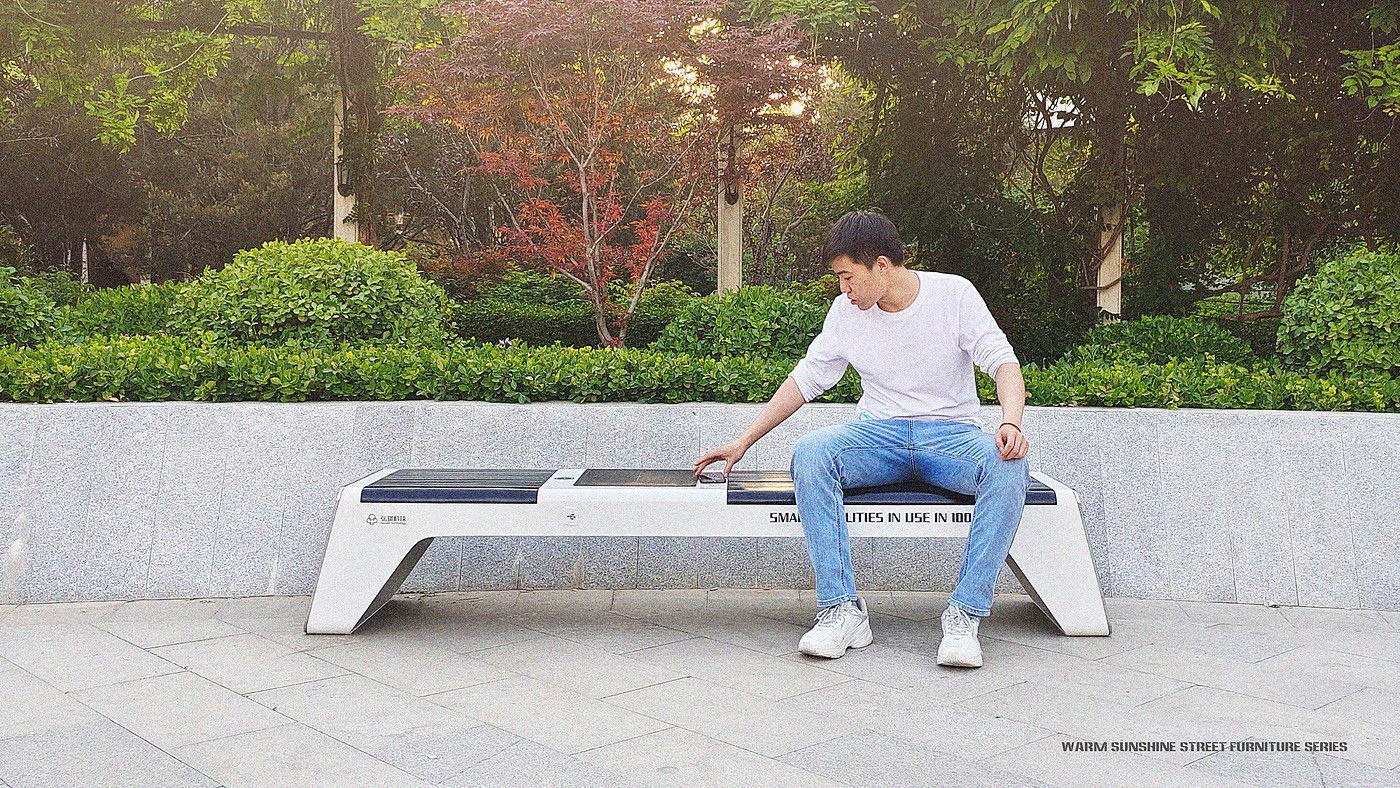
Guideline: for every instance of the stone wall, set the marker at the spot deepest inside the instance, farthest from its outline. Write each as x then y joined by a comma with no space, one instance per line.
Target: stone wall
186,499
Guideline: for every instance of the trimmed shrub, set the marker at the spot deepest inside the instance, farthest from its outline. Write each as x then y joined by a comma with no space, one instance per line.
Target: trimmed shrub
759,321
318,292
130,310
61,287
1158,340
203,368
1346,317
26,312
489,320
541,309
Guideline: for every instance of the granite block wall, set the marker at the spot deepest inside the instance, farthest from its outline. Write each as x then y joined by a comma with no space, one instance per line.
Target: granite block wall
187,499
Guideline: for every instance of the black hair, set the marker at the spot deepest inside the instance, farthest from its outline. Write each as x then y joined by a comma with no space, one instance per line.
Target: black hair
863,236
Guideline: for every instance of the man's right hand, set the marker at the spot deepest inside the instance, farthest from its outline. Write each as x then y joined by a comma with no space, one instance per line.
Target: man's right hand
729,453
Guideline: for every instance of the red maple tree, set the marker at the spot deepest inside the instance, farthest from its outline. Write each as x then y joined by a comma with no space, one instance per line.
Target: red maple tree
597,122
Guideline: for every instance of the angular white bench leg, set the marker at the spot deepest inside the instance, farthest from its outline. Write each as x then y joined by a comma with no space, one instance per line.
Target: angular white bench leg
1051,558
361,571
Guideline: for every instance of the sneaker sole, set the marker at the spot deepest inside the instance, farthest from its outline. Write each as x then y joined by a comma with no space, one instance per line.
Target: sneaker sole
863,639
960,661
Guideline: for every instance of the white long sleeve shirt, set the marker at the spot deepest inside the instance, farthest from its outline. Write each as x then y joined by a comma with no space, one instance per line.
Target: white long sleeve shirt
915,363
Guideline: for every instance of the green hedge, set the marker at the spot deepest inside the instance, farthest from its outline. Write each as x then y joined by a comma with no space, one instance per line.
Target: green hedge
540,309
26,312
1158,340
130,310
201,368
1345,317
315,291
760,320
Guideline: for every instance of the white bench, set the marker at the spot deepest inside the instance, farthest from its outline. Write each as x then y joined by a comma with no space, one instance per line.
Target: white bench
385,521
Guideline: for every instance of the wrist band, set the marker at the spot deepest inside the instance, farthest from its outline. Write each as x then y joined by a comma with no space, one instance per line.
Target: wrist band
1017,426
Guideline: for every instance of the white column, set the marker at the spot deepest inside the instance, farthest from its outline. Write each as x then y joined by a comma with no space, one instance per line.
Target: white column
1110,279
344,203
731,217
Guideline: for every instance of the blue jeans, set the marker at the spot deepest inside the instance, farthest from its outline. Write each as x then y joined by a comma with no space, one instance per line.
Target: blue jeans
953,455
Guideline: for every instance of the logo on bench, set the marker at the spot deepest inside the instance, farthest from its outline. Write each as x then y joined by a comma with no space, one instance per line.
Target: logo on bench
386,519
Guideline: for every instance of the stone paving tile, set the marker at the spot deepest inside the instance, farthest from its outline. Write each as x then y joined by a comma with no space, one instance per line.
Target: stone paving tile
458,627
1296,770
418,668
247,663
1381,707
676,757
912,717
526,763
77,656
738,668
901,669
5,611
149,633
1337,666
1261,680
1332,619
753,632
574,666
549,715
291,608
603,630
178,709
1241,717
52,613
287,632
1028,663
1018,620
99,753
291,754
439,753
645,603
1085,717
1046,760
33,706
738,718
162,610
358,711
872,758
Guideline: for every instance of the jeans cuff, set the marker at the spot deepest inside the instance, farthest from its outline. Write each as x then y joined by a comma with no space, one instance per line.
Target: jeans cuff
837,600
969,609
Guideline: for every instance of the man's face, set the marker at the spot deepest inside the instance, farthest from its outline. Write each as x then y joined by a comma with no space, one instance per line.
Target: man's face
864,286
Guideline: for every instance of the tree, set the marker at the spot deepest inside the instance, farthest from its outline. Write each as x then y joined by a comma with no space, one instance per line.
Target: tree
595,123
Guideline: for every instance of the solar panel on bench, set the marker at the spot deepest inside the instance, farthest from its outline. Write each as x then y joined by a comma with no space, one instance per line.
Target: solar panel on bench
454,485
774,488
615,477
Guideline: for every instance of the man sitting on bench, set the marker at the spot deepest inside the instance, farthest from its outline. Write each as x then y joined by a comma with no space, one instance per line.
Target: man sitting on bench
917,419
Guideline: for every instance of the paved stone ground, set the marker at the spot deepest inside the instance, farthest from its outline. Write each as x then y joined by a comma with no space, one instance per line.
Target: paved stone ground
683,688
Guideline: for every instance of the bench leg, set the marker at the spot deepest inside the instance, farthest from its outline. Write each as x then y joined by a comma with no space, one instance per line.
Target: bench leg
1051,559
360,572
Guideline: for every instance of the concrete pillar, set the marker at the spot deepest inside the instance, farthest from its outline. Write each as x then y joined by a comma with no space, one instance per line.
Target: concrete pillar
344,199
1110,279
731,217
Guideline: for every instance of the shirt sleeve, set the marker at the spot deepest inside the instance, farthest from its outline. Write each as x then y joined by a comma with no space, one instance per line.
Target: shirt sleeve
824,363
979,335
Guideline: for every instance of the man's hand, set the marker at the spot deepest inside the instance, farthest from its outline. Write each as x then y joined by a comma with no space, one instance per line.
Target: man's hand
729,453
1011,443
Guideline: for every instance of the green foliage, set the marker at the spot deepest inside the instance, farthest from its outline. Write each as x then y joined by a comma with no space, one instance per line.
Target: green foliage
1159,340
319,292
61,287
494,320
760,321
1196,383
132,310
203,368
1346,317
26,312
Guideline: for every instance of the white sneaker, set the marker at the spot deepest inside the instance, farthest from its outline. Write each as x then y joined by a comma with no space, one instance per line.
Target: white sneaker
838,628
959,646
